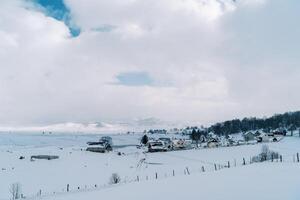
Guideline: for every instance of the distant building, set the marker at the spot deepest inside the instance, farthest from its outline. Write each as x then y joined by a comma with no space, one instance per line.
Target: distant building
257,133
248,136
157,131
279,133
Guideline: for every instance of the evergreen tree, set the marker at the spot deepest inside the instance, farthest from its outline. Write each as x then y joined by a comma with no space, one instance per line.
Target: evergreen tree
144,140
195,136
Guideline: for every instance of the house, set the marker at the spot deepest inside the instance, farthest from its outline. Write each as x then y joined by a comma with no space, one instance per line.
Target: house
105,144
158,131
157,146
279,133
248,136
212,143
178,144
271,134
182,144
257,133
167,141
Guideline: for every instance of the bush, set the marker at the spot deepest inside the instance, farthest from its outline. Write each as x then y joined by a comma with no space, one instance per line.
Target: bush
265,155
115,179
15,190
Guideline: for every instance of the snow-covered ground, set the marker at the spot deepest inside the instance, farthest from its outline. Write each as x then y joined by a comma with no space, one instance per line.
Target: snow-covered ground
82,169
267,181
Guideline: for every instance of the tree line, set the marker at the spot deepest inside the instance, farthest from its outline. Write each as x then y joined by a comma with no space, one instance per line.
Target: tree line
288,121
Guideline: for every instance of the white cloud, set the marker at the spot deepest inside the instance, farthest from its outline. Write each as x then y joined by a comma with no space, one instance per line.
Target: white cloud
186,46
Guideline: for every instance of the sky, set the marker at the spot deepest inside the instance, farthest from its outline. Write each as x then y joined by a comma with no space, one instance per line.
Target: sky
189,61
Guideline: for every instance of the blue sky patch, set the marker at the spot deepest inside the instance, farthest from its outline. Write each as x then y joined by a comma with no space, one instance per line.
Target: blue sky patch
58,10
104,28
134,79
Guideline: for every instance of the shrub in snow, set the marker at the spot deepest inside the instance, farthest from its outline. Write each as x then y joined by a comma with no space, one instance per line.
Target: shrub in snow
15,190
266,154
114,179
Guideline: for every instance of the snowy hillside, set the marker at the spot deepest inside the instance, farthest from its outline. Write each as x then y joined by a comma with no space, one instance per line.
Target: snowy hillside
136,125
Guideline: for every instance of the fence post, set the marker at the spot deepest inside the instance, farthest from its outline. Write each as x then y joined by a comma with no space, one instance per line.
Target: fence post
215,167
280,158
244,161
156,175
203,170
272,157
68,187
173,172
297,157
234,162
228,164
137,178
187,170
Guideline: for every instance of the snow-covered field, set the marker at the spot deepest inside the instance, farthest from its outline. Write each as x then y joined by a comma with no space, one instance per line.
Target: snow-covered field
88,170
265,181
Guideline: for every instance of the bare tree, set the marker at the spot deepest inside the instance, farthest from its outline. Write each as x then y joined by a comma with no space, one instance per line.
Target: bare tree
114,179
265,155
264,152
15,190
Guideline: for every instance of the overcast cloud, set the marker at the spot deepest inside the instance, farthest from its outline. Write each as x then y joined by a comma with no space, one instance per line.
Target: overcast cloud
202,60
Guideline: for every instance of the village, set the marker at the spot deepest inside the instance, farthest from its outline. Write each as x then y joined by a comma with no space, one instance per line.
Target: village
190,138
